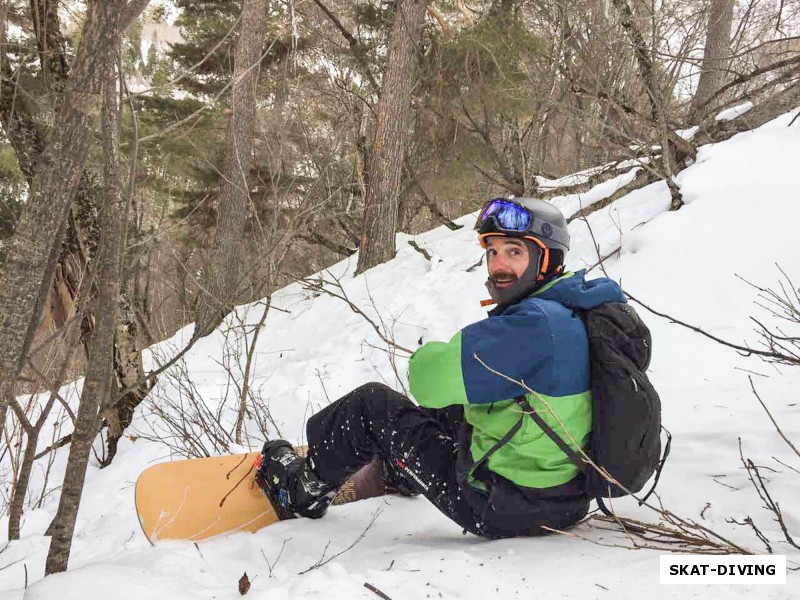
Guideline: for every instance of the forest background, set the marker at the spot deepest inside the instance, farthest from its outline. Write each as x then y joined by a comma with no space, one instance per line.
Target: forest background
162,162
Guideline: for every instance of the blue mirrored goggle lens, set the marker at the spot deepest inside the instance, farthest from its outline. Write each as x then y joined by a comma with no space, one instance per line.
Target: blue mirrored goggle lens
507,215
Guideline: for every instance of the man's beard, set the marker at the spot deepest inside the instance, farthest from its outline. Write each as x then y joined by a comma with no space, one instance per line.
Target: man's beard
520,287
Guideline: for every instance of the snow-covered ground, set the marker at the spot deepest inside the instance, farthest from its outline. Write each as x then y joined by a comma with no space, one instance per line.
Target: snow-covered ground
739,222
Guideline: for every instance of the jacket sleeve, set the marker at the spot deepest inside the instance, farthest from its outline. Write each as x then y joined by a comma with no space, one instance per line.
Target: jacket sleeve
518,343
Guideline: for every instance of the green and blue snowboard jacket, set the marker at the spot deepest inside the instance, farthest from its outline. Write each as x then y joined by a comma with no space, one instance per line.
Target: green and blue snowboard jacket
540,341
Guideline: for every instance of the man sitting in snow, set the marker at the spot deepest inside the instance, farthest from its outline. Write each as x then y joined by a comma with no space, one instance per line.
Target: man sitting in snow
465,447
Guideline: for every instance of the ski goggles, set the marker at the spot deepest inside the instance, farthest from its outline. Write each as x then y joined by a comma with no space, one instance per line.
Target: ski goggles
502,215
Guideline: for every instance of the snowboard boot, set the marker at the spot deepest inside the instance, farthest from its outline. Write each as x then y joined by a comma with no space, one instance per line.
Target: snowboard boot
290,483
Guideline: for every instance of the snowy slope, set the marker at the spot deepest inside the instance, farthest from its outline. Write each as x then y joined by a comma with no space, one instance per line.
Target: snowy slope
740,219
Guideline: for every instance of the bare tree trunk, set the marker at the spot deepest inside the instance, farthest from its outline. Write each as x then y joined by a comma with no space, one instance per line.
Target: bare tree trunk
386,159
97,384
72,338
223,282
83,234
715,56
654,93
50,43
129,375
34,249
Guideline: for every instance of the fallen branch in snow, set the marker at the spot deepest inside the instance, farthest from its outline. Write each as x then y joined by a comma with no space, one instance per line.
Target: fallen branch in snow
763,493
780,462
602,175
476,265
658,536
771,107
322,562
771,418
642,179
780,348
372,588
419,249
271,565
389,331
748,521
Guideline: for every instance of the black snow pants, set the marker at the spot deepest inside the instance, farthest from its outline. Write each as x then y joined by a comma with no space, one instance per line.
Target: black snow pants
429,450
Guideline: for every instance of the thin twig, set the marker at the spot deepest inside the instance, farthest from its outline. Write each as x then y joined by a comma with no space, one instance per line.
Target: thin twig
771,418
271,565
419,249
321,562
476,265
319,286
763,493
746,350
372,588
785,465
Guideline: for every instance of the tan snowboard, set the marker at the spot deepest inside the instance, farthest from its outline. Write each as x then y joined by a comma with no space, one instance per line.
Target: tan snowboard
198,498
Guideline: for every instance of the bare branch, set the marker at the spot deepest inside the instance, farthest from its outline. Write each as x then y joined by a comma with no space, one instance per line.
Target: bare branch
771,418
322,562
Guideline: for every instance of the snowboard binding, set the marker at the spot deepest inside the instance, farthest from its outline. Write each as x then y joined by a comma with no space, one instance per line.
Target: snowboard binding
289,481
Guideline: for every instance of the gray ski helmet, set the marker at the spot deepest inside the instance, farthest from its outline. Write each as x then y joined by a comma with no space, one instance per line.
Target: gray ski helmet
547,224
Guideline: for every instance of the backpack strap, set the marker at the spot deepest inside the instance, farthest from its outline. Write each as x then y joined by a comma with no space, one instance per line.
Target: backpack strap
660,465
557,439
522,401
499,444
608,512
571,454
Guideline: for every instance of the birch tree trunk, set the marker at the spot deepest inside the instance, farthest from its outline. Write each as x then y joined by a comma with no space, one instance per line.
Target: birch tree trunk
97,383
386,159
715,56
223,283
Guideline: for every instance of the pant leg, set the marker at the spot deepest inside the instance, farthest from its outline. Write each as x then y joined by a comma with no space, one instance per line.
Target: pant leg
421,444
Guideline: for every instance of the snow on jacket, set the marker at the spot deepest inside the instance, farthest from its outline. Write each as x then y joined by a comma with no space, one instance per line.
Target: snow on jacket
540,341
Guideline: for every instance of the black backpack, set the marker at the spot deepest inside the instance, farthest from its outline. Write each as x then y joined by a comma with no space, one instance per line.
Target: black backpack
626,433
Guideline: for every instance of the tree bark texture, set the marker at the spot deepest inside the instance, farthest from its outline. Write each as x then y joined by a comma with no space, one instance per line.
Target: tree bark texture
50,43
716,53
223,283
97,383
72,337
386,159
27,138
82,230
34,249
129,375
